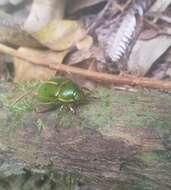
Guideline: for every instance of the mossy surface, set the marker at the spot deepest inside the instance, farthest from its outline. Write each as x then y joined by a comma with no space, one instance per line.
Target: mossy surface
111,107
133,116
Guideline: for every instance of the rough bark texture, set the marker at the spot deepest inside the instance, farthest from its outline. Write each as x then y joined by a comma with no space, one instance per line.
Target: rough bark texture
120,140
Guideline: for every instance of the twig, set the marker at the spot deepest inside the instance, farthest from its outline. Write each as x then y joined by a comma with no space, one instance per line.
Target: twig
97,76
21,98
160,16
99,16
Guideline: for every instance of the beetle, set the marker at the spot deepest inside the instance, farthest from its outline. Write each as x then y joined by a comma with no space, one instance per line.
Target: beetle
61,91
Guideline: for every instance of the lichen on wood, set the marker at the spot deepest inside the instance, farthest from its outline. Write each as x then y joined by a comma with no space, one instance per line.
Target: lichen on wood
119,136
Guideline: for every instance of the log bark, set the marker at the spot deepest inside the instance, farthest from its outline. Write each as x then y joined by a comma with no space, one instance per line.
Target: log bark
122,138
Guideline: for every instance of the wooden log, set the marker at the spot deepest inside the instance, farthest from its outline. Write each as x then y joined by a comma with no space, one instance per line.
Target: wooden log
122,138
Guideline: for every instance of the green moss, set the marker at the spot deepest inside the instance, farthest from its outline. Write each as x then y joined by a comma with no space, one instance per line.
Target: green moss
140,109
151,157
143,109
19,101
66,119
98,114
47,180
139,184
109,108
131,109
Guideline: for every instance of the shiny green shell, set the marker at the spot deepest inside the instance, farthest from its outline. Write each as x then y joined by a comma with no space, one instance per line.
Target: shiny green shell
60,91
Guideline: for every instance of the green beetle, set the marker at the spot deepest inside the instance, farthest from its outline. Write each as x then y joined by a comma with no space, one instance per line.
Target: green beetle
62,92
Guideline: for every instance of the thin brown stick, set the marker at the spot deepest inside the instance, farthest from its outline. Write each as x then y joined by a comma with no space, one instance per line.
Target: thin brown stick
97,76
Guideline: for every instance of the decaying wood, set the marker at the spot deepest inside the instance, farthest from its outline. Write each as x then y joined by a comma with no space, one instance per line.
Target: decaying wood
121,139
97,76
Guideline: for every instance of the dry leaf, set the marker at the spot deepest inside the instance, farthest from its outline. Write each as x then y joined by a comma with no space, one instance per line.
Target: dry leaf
76,5
145,53
11,32
85,44
42,12
160,5
60,34
27,71
148,34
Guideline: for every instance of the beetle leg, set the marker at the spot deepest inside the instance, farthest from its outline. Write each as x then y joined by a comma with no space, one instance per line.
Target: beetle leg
71,108
61,108
67,107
